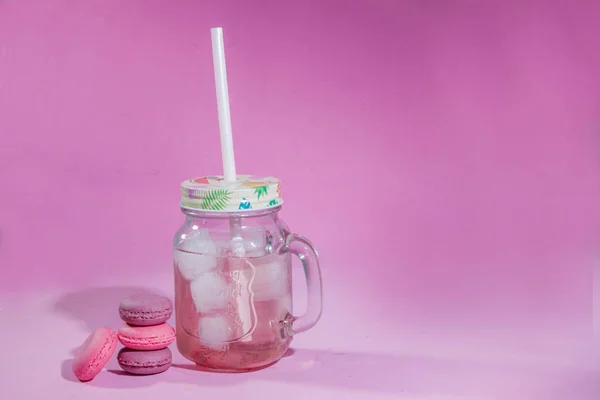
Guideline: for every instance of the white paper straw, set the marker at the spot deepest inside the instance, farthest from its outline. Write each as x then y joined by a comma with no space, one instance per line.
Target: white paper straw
220,68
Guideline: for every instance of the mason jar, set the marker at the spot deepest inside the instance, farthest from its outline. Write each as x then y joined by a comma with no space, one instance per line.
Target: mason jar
233,279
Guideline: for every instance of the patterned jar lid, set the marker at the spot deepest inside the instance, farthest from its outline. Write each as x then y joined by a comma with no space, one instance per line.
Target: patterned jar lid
212,193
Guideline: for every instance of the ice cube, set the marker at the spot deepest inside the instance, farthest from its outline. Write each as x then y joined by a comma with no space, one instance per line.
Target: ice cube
238,247
192,266
196,254
271,281
209,292
198,241
248,242
213,331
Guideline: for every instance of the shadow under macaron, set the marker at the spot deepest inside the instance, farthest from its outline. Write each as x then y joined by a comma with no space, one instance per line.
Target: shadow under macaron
66,371
118,379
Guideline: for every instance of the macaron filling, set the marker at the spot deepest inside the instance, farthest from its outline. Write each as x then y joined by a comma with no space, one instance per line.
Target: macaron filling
144,364
145,315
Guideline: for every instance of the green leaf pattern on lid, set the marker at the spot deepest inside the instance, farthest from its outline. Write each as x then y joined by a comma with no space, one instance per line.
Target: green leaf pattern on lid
216,200
261,190
212,193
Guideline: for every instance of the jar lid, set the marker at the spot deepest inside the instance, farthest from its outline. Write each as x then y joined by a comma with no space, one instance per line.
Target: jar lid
213,193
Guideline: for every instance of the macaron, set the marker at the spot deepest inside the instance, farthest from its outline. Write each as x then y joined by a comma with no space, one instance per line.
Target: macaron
145,309
139,362
94,354
146,337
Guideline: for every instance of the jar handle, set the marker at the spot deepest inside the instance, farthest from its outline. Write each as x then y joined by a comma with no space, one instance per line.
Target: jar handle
306,252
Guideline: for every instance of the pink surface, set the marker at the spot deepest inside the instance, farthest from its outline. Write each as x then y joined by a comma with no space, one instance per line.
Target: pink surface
349,355
146,337
442,155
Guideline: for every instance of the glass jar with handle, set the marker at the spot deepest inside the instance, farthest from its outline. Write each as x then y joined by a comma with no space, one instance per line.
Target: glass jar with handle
233,279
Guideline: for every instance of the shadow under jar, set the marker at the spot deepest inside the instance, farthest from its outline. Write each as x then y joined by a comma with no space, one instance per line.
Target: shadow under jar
233,278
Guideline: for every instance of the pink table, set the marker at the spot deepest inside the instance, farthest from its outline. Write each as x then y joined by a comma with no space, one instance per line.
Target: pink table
347,356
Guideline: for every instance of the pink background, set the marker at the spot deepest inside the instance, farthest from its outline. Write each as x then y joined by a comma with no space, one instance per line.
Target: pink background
442,155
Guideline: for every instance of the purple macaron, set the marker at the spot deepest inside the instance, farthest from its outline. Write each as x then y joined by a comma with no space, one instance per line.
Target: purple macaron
144,362
145,309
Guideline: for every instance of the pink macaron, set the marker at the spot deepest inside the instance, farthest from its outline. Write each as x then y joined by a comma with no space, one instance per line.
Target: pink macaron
145,309
146,337
94,354
145,362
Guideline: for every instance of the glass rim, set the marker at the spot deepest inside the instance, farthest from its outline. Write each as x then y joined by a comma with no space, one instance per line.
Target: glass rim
229,214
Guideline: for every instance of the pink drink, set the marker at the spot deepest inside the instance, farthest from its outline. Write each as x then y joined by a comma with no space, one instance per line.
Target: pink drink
229,312
232,261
